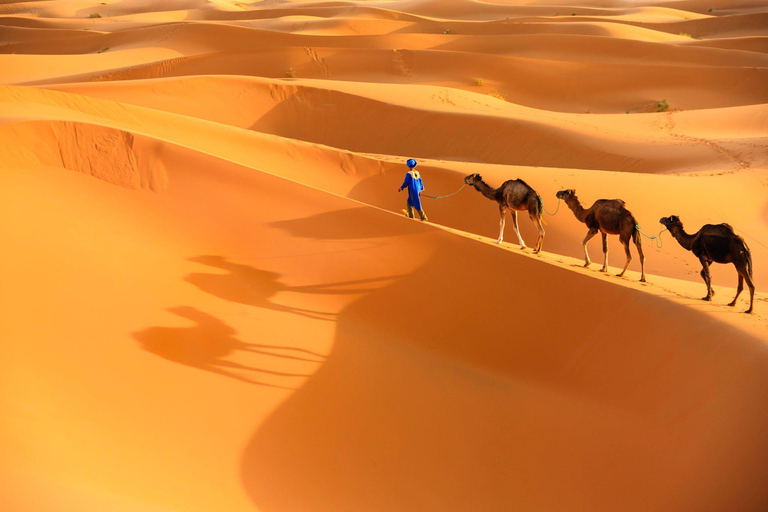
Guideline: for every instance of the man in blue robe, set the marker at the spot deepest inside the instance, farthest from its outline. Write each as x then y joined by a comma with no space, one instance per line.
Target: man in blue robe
415,187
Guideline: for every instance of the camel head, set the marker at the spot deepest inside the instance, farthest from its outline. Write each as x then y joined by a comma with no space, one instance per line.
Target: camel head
473,179
566,194
671,221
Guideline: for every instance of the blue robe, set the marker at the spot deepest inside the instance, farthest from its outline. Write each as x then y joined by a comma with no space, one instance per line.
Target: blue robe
415,186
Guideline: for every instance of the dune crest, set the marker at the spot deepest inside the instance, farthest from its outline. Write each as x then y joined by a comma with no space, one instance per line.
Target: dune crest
105,153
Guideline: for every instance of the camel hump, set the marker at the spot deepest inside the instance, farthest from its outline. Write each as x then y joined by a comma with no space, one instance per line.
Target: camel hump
524,183
727,226
610,203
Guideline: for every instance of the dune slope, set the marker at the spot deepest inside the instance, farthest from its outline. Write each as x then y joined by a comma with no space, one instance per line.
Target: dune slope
211,300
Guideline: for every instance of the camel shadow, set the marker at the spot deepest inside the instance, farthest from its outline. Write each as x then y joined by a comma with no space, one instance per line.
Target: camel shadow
251,286
347,224
208,343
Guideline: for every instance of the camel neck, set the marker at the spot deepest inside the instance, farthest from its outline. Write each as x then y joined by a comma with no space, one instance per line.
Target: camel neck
485,189
683,238
575,206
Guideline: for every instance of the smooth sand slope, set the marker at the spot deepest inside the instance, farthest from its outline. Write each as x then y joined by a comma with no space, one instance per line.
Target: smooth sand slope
211,301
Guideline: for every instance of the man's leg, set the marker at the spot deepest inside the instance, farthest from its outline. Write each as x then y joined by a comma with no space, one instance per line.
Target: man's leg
422,214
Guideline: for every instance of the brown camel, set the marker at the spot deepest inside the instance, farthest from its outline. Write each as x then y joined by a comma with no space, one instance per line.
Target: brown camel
609,217
716,243
515,195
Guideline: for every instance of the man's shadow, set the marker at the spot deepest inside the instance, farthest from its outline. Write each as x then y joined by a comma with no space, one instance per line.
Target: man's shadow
206,345
255,287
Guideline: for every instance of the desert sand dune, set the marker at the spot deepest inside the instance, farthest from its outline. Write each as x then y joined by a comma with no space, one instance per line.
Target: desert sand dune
752,44
212,301
599,78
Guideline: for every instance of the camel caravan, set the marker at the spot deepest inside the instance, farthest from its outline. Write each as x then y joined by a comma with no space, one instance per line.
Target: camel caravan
712,243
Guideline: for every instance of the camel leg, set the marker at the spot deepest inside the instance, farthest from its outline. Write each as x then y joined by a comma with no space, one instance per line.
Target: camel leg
629,257
738,289
742,264
502,223
751,286
540,241
639,245
707,279
605,253
592,232
517,229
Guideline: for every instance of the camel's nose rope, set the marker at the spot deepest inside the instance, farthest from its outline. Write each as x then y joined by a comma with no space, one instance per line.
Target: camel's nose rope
443,197
545,210
658,241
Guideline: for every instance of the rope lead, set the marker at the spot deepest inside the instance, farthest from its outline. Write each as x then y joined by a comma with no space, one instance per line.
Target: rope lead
655,240
443,197
541,203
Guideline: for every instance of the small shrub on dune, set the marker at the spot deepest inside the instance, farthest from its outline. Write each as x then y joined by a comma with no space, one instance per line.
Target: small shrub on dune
479,82
685,34
447,31
103,49
95,15
662,106
498,95
710,10
290,73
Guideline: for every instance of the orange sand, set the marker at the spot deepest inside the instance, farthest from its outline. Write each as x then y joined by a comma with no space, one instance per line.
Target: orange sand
211,301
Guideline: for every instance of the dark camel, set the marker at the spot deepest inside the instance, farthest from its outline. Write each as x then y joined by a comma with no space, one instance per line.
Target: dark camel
716,243
609,217
515,195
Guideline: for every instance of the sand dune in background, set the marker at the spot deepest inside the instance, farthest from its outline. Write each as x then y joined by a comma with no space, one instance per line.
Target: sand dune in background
211,301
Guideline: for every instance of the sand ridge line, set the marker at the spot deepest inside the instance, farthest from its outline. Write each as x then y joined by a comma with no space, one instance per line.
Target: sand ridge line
483,112
672,285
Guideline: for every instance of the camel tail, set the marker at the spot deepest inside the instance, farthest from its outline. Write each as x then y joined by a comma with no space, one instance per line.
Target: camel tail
749,259
636,238
540,210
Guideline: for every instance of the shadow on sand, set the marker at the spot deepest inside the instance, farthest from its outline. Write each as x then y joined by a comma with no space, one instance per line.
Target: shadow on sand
347,224
251,286
528,401
208,343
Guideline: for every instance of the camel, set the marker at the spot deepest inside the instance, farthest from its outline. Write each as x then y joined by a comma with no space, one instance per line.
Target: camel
609,217
515,195
716,243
